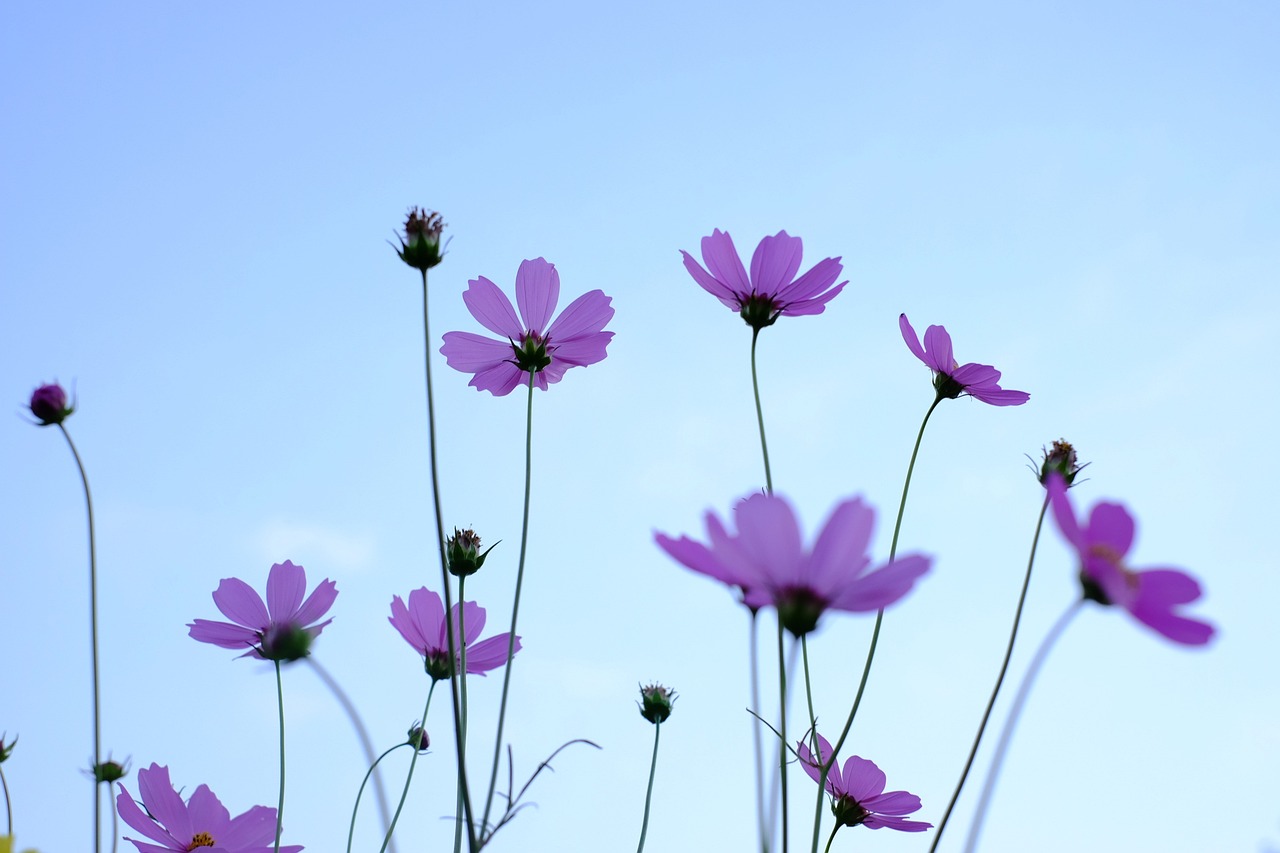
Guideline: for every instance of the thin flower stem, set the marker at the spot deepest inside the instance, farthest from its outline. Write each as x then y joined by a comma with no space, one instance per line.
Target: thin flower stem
370,772
830,838
782,719
755,389
93,644
761,822
280,805
1006,734
408,776
472,840
995,691
648,795
115,826
8,806
817,751
515,605
462,681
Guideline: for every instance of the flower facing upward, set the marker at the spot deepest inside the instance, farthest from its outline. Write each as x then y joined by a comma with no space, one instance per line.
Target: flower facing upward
420,246
950,377
422,624
772,289
463,553
280,629
857,792
533,342
768,561
200,822
1150,595
49,404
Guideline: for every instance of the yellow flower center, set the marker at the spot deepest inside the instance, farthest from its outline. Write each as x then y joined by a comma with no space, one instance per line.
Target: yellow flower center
200,839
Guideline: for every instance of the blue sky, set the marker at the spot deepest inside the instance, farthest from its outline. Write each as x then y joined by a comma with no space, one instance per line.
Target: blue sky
194,237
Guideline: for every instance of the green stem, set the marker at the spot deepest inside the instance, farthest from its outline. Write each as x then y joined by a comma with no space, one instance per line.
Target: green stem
755,389
280,805
115,825
761,822
370,772
995,691
515,605
823,760
830,838
408,776
93,643
782,719
648,795
472,840
8,806
1006,734
462,681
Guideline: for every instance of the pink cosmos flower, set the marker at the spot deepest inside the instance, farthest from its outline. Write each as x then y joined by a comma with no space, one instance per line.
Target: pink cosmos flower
422,625
768,561
280,629
533,342
1150,595
950,377
857,792
772,290
201,822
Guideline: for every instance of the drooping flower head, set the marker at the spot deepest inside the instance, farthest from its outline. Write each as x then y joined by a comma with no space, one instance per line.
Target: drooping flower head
200,822
772,289
1149,595
950,377
282,628
420,246
857,791
49,405
767,560
532,342
656,702
422,624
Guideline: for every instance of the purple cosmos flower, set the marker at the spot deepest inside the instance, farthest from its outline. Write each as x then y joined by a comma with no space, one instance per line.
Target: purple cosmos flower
533,342
772,290
49,404
200,822
422,625
857,792
1150,595
280,629
767,560
950,377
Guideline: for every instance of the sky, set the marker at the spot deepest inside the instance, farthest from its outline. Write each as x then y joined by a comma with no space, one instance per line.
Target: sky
194,236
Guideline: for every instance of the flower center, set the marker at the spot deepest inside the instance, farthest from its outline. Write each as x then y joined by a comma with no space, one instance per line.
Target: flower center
1093,591
437,664
799,609
532,354
848,812
200,839
759,310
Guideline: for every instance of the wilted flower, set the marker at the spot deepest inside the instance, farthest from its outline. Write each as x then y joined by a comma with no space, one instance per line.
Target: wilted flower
422,624
49,404
857,791
533,342
200,822
280,629
768,561
770,291
950,377
463,552
1151,595
656,702
420,246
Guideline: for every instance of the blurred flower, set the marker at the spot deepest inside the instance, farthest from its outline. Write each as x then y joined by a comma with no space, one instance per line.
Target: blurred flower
768,561
857,792
463,552
770,291
280,629
109,771
420,246
1151,595
49,404
422,624
6,747
200,822
533,342
950,377
656,702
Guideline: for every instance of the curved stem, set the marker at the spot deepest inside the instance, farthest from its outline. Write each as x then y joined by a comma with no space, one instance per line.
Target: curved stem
360,793
648,796
280,805
462,682
782,719
755,389
93,643
824,760
761,822
1006,734
830,838
8,806
995,691
408,776
515,605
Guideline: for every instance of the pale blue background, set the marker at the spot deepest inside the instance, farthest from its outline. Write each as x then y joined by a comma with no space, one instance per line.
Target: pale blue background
197,199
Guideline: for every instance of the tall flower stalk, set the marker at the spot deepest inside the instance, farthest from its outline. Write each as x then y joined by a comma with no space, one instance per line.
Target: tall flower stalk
280,805
409,776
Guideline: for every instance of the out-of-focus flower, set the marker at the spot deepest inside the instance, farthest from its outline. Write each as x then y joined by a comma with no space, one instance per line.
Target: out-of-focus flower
772,290
532,342
49,405
418,738
656,702
463,552
282,628
768,561
857,791
950,377
109,771
420,246
422,624
200,822
1060,459
1149,595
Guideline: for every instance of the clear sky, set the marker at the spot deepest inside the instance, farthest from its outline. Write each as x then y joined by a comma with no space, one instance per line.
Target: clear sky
197,200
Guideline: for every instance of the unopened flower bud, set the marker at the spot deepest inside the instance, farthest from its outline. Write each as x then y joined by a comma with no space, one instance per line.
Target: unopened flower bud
420,246
287,642
109,771
418,738
1061,458
655,702
463,549
6,746
49,404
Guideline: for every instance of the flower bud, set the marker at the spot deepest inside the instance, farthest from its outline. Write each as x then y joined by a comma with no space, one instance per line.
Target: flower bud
1061,458
655,702
49,404
463,550
420,246
287,642
418,738
6,749
109,771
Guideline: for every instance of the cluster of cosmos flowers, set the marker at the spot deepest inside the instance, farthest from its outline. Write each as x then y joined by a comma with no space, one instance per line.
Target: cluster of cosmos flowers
758,549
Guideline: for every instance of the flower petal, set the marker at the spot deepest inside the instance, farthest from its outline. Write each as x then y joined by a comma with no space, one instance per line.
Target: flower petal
808,286
996,396
1110,525
405,624
426,611
241,603
699,558
723,262
892,803
317,603
580,352
163,802
472,620
207,814
769,535
537,291
255,828
285,585
1063,512
583,316
775,262
472,353
499,380
840,554
136,818
491,307
709,283
937,347
912,341
883,586
815,305
222,634
489,654
862,778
